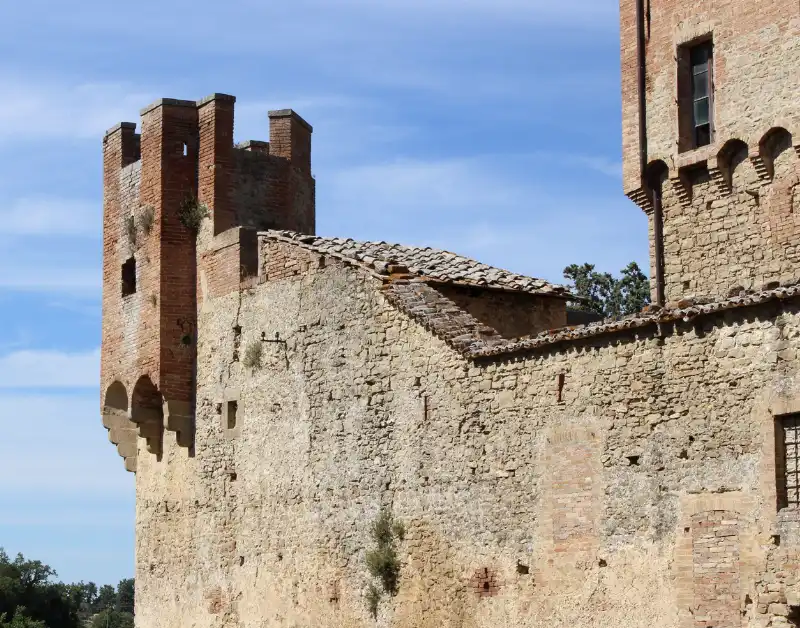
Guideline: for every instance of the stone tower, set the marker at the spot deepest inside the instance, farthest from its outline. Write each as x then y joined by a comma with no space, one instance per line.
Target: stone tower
711,140
181,209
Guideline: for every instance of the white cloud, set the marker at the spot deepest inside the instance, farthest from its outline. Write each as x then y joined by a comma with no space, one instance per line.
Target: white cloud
51,110
50,278
56,444
414,187
461,185
49,369
51,216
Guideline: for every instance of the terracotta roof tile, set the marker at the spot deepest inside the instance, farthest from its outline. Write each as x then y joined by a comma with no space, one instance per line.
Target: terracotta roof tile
433,264
685,310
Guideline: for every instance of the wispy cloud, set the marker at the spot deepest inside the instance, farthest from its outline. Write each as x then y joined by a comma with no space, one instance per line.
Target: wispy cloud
44,109
463,188
50,278
49,369
416,187
43,434
51,216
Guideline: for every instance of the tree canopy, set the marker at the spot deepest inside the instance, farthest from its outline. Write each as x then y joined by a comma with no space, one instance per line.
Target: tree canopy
606,295
30,598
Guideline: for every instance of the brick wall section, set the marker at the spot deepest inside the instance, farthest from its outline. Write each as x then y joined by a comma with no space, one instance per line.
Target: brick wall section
121,174
270,193
572,489
232,262
255,175
484,583
216,165
513,315
280,261
745,237
290,138
715,557
114,144
118,148
169,178
252,185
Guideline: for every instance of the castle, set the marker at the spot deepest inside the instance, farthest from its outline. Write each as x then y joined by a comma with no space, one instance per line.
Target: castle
274,391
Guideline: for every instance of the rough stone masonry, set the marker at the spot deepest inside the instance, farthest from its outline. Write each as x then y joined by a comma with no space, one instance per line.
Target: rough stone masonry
274,390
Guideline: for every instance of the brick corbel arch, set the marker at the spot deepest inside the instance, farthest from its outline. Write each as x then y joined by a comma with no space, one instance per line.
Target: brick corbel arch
116,419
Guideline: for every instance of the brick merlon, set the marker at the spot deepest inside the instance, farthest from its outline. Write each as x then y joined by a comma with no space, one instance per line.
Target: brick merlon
289,113
119,127
168,102
215,96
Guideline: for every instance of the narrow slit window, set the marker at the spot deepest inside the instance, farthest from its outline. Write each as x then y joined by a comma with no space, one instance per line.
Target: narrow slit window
701,61
788,461
233,407
696,95
129,277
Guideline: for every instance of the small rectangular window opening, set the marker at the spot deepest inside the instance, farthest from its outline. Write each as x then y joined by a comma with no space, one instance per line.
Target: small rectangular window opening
788,461
233,407
129,277
696,95
701,59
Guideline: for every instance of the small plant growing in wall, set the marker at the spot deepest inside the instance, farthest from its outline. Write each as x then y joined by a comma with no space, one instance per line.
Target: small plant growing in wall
191,213
253,354
373,600
130,230
147,218
383,563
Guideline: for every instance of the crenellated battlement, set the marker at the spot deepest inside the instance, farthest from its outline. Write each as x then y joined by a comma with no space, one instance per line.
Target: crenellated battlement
720,161
181,201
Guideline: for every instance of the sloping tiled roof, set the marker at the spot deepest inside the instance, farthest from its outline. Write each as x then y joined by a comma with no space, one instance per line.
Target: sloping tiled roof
686,310
470,337
433,264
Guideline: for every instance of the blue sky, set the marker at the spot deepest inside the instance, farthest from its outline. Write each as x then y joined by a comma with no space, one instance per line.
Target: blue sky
487,127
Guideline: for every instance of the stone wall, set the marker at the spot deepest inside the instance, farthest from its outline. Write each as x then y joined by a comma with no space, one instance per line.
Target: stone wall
729,206
586,483
743,236
513,315
269,194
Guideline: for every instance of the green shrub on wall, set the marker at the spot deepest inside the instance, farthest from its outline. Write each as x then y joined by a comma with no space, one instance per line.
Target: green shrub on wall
191,213
383,563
